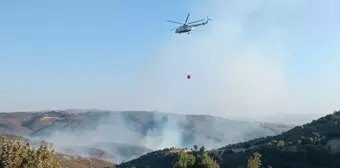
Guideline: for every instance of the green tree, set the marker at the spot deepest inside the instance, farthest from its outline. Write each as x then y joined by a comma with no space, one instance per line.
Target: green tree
255,161
202,149
205,161
184,160
18,154
195,147
199,159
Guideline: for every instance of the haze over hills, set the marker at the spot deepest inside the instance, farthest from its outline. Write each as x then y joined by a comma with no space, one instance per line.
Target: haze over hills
121,136
314,145
254,59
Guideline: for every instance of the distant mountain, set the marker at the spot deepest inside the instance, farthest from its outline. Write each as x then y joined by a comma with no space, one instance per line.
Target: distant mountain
11,123
127,135
313,145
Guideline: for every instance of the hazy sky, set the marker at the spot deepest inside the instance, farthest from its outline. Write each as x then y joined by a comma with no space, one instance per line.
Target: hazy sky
257,58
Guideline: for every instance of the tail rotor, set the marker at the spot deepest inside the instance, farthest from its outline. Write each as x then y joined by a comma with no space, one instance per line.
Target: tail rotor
208,19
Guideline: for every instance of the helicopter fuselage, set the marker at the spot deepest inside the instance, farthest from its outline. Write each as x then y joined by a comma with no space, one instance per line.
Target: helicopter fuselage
183,29
187,27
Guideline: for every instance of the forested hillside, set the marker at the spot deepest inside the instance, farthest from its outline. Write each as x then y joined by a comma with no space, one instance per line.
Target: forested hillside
315,144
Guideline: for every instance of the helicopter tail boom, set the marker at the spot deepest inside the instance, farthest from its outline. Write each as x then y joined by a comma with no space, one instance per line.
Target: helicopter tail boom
206,22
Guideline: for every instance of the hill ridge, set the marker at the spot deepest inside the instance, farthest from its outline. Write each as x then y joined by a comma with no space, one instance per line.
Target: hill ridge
318,139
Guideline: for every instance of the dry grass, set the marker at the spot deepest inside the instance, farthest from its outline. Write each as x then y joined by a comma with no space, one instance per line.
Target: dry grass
79,162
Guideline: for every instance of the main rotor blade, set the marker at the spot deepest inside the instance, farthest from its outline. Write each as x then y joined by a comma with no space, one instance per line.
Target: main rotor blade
174,22
186,20
196,21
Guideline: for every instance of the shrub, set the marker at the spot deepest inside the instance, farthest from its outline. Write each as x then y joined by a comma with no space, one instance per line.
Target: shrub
18,154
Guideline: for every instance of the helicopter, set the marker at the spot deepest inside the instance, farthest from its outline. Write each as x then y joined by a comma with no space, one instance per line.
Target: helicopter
187,27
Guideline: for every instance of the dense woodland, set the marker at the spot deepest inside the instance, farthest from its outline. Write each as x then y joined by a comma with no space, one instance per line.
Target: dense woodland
313,145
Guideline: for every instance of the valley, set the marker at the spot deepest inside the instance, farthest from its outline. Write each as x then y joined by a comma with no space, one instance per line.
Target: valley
121,136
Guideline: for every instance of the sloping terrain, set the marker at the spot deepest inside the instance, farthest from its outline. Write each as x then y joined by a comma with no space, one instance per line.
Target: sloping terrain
69,161
88,152
109,151
11,123
315,144
122,136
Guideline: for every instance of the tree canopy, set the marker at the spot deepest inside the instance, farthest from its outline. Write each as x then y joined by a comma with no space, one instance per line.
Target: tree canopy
18,154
